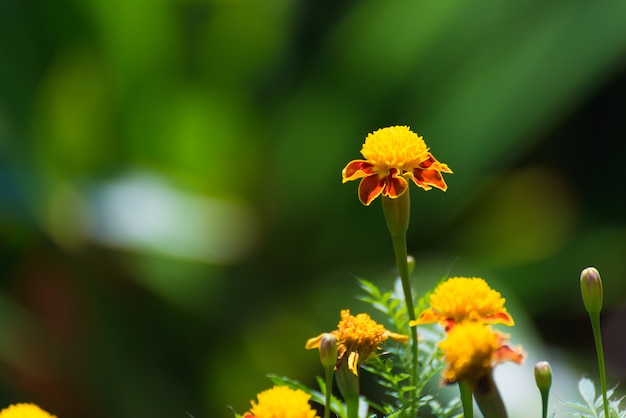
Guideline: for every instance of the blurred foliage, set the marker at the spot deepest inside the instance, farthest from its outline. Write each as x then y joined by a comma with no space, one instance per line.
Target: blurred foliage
172,220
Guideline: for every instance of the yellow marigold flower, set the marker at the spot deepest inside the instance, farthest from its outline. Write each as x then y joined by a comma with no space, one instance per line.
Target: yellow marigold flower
24,410
281,402
471,350
359,336
462,298
393,155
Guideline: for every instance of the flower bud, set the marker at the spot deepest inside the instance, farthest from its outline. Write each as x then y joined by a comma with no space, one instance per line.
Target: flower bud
591,289
543,376
328,350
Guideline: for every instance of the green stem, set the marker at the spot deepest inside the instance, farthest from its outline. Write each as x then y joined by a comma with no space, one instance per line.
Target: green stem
329,385
488,398
399,248
466,400
352,406
544,404
348,384
397,213
595,325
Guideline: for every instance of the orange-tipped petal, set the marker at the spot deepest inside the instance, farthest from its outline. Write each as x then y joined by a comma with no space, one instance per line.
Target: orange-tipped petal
501,317
313,342
507,353
370,188
356,169
429,316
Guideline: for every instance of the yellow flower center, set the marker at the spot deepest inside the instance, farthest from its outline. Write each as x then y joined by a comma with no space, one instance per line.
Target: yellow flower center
469,349
24,410
360,333
282,402
395,147
461,298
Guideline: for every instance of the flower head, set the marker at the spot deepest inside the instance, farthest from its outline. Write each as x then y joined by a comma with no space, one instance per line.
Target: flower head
591,288
543,375
24,410
471,350
462,298
357,336
393,155
281,402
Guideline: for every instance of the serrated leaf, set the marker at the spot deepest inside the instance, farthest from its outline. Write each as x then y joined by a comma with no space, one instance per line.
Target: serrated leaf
370,288
580,407
587,390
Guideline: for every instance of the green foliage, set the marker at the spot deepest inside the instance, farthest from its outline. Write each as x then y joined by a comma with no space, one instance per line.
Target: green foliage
591,407
392,368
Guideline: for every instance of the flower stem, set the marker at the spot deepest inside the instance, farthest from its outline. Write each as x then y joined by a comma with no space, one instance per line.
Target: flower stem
329,385
466,400
348,384
399,246
544,405
397,213
595,325
488,398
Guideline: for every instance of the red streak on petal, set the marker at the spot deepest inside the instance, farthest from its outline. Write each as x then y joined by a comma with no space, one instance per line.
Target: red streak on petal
370,188
356,169
501,318
506,353
426,178
395,186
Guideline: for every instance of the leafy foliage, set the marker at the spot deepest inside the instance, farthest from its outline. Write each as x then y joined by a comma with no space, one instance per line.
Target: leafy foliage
392,368
592,406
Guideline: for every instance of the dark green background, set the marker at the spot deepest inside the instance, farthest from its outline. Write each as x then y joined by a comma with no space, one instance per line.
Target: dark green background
172,220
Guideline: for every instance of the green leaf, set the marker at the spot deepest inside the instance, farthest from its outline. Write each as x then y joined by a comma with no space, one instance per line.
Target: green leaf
588,392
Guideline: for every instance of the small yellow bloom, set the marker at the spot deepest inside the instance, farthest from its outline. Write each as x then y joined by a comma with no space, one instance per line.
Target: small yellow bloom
359,336
281,402
393,155
471,350
24,410
462,298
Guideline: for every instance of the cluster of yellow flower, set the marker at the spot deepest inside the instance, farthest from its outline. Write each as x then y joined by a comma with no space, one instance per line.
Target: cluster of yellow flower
466,307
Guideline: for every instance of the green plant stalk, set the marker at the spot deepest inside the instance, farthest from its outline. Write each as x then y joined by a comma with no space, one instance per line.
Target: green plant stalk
399,247
397,213
544,403
488,397
329,385
466,400
595,326
348,384
352,406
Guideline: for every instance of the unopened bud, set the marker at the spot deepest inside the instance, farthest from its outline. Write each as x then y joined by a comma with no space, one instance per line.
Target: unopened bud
591,289
328,350
543,376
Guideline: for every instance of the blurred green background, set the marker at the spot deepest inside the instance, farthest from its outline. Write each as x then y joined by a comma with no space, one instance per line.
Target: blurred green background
173,225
